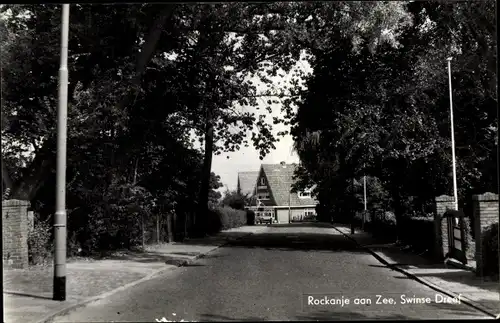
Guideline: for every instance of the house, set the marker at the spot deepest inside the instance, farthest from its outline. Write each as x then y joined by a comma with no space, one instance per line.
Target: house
246,183
273,194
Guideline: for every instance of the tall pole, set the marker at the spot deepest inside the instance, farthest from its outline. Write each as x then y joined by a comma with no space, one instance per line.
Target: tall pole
455,194
352,206
364,189
59,292
289,210
364,195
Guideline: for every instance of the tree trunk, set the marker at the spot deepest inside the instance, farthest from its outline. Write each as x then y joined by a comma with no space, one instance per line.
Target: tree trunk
158,228
206,171
398,210
170,236
143,232
34,176
6,180
135,171
146,54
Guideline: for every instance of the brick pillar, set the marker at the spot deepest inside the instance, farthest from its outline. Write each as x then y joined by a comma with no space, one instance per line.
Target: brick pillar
443,203
15,226
485,210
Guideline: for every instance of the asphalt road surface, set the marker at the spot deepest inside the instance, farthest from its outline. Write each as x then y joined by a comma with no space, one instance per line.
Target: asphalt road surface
284,273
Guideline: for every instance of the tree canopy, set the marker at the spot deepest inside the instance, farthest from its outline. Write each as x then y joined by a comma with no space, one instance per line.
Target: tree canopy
386,113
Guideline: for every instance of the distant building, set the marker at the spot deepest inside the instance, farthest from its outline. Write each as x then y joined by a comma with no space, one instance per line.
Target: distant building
246,183
272,190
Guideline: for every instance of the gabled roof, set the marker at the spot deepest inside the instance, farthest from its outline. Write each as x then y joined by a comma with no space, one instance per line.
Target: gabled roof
247,181
280,180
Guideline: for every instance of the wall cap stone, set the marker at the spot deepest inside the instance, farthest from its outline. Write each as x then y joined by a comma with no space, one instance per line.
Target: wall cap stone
445,198
12,203
485,197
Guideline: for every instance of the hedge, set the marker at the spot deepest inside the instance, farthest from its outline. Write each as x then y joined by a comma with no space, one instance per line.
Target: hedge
489,244
418,232
223,218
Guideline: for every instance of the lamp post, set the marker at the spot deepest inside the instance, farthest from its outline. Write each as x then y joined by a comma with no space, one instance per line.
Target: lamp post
59,287
289,210
364,195
455,194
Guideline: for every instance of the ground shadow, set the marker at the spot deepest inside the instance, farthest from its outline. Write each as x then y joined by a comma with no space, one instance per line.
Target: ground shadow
184,253
218,318
148,257
456,276
408,266
348,316
194,264
316,316
28,295
303,241
405,260
458,310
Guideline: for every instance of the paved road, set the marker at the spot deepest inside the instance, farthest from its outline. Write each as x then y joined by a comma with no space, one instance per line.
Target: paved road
269,276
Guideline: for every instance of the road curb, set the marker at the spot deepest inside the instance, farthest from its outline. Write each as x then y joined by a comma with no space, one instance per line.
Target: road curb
50,317
423,281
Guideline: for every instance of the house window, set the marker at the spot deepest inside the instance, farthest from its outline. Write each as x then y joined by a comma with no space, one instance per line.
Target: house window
263,196
262,181
305,194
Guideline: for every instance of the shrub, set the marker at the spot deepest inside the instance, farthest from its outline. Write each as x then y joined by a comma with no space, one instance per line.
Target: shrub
214,224
418,232
231,218
40,242
489,244
383,225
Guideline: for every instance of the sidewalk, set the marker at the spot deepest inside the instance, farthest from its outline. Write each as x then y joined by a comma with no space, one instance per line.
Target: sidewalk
478,292
28,292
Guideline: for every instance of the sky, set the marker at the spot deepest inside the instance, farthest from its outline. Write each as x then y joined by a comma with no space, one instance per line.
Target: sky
247,158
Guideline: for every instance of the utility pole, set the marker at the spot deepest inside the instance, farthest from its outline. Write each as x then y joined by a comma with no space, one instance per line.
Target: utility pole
289,210
455,193
352,205
59,291
364,194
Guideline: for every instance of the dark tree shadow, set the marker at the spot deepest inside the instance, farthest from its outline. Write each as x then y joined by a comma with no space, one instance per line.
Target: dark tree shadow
316,316
218,318
28,295
347,316
284,241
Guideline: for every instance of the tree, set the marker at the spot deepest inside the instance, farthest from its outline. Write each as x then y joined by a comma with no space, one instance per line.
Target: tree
236,200
248,41
389,115
134,97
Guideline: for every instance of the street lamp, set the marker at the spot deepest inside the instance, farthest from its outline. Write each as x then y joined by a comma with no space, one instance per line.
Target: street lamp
59,287
455,194
289,210
364,196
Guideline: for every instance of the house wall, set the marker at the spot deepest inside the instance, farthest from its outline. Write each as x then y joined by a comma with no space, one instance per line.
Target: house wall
296,214
282,215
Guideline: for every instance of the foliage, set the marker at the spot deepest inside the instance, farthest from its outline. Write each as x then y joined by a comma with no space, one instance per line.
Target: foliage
231,218
136,97
40,242
223,218
388,116
235,200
